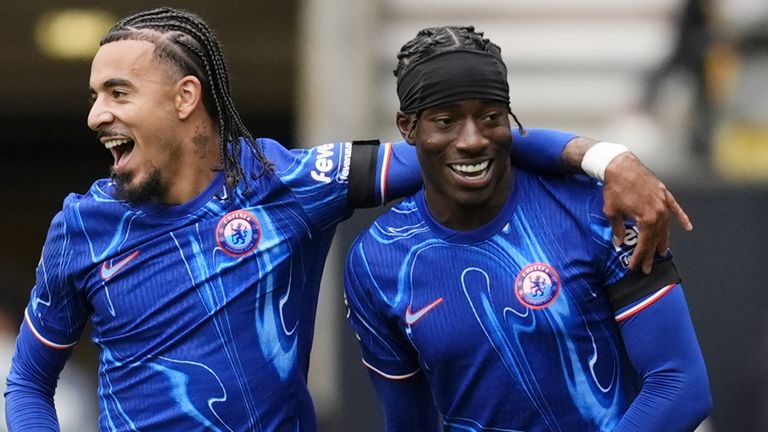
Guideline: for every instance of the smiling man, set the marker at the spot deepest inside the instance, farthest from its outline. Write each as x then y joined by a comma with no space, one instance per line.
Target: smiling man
146,117
494,299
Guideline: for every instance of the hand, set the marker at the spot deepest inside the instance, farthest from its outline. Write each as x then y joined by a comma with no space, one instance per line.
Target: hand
631,189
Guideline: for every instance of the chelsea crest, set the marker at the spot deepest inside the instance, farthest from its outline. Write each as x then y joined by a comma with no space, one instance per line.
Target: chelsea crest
537,285
238,232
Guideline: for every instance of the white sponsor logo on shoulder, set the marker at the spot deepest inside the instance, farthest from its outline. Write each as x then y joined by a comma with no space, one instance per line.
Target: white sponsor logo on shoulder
323,163
343,174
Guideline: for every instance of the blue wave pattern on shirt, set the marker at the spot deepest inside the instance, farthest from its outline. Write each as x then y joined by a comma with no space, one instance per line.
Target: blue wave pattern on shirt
193,336
493,363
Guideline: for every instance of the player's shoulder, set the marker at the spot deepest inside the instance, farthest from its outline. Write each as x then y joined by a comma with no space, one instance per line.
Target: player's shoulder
97,203
322,164
398,226
101,191
274,150
400,218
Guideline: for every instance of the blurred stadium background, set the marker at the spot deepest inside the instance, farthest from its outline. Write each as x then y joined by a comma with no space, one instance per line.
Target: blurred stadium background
684,83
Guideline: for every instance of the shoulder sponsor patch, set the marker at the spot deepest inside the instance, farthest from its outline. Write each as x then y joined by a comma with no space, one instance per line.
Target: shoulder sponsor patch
331,166
323,163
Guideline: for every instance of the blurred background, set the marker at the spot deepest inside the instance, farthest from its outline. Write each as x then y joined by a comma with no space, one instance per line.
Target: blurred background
684,83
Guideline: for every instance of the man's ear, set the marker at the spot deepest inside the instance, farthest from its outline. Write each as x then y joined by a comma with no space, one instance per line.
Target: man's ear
406,124
189,95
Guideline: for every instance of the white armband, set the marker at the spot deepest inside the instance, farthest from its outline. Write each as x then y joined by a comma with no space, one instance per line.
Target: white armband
597,158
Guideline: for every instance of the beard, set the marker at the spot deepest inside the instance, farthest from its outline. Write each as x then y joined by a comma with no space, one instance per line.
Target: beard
150,190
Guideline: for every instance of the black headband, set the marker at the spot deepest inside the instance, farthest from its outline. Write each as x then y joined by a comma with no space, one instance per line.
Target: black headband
451,76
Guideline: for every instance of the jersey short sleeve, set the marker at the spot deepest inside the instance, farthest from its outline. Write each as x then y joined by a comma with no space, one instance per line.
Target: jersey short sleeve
318,178
57,309
384,348
629,291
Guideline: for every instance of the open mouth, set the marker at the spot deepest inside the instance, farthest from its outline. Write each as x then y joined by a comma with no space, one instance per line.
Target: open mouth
120,148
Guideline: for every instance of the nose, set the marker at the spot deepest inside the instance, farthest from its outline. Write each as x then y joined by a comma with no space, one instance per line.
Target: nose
472,137
99,115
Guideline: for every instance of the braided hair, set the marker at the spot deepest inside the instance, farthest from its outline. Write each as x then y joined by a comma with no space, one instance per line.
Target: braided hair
435,40
185,40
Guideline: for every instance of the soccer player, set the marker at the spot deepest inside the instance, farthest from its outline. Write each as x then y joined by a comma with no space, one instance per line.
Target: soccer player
198,263
494,299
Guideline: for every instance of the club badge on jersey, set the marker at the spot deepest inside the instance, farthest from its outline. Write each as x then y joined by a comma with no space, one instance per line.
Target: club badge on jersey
537,285
238,233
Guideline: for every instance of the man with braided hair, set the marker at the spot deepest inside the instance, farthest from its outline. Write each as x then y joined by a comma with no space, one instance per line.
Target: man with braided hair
494,299
198,262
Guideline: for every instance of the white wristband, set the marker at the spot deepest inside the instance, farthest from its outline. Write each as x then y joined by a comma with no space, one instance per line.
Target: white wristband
597,158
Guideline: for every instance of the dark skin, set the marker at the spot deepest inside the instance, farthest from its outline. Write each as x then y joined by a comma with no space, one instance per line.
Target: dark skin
463,150
630,190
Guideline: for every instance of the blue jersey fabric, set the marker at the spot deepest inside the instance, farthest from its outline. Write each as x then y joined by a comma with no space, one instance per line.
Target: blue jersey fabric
203,312
510,323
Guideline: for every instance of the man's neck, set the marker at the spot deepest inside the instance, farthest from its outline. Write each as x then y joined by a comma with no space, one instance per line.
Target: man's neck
197,167
469,216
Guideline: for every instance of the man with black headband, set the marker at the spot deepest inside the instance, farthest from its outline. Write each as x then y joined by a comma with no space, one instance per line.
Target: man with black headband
494,298
199,261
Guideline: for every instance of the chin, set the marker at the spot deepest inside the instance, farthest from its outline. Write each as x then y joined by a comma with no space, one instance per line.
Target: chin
127,188
472,199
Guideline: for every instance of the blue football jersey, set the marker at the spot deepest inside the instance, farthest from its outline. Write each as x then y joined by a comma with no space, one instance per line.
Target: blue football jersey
511,322
203,312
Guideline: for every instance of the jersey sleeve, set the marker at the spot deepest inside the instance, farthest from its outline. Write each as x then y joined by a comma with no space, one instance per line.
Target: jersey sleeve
31,383
384,347
53,322
657,331
58,311
674,388
407,403
629,291
318,178
540,150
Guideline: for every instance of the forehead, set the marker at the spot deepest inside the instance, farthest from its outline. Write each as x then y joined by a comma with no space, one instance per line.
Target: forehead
126,59
467,105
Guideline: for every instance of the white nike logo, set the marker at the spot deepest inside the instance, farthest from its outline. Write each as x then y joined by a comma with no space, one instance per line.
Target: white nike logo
411,317
108,271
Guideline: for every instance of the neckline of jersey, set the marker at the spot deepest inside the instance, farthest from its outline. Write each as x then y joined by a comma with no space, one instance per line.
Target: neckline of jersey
477,235
163,211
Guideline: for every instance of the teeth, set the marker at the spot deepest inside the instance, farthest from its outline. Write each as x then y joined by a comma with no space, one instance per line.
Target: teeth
115,142
470,169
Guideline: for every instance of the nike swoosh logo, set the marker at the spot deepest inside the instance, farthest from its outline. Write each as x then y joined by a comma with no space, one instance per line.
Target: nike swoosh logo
411,317
108,271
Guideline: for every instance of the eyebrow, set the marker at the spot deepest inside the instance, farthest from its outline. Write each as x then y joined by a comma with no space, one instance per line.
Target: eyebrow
114,82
